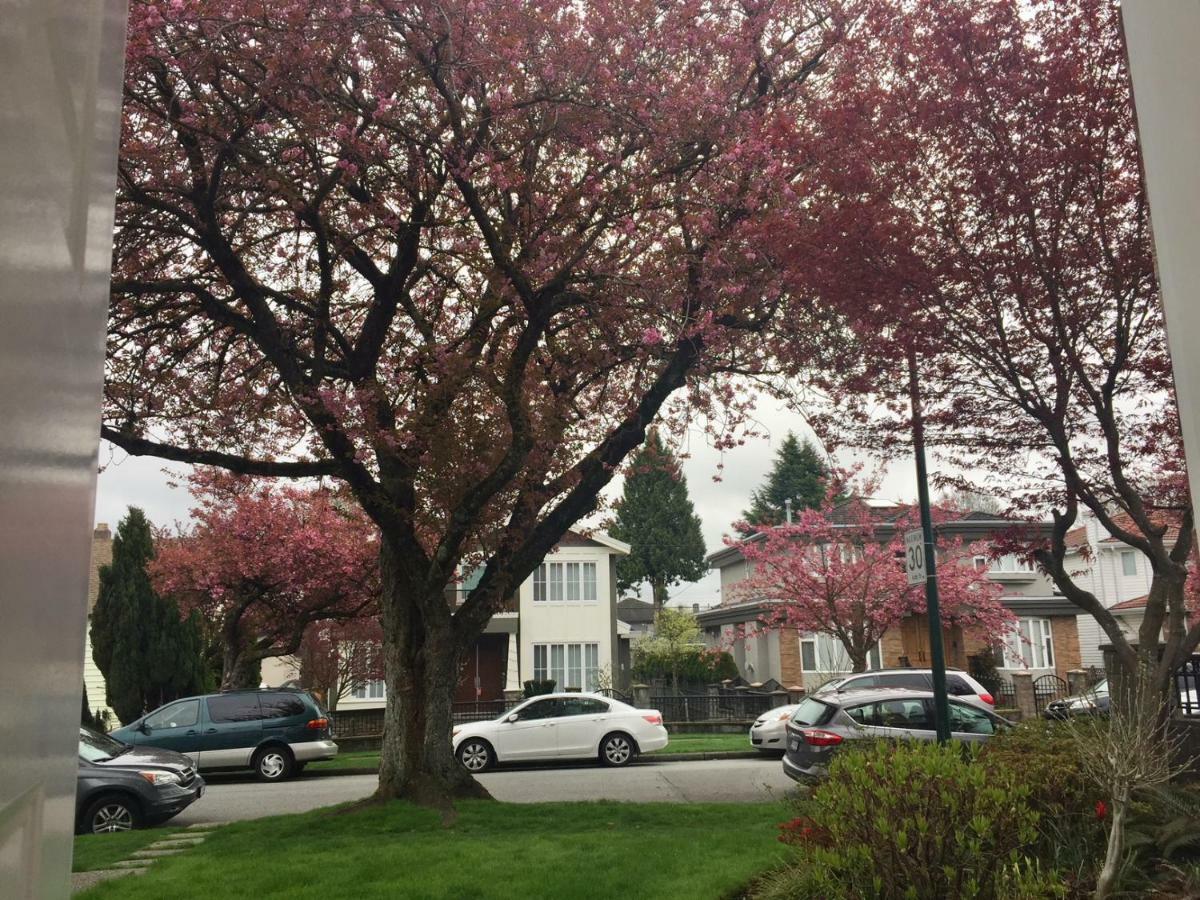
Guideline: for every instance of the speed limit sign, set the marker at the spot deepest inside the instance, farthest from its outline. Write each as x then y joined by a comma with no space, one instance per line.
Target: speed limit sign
914,556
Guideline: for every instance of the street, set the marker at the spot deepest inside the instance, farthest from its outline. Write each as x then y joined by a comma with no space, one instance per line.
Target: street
229,798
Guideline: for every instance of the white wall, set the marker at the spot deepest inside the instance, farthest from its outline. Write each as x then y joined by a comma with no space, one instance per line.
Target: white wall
547,622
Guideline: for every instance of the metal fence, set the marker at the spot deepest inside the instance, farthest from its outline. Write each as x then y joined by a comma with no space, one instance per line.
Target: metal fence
1187,687
1048,688
739,707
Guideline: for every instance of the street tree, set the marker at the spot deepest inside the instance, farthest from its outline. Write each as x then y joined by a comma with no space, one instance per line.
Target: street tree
656,518
146,652
838,570
997,225
457,255
676,641
262,564
798,475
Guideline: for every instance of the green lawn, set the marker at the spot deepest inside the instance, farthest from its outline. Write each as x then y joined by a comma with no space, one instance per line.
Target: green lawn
680,743
494,850
99,851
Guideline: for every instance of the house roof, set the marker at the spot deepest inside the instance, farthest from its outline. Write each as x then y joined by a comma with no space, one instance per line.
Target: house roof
1076,538
1125,522
1135,603
574,538
635,611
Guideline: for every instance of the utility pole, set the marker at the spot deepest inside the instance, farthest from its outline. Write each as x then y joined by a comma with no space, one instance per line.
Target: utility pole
941,704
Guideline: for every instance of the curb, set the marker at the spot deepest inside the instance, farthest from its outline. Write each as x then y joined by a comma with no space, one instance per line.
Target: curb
641,760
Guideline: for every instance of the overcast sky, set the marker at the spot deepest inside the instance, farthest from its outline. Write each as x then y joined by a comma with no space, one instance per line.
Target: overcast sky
132,481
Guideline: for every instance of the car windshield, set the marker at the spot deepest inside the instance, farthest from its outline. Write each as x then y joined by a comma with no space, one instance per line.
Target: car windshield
97,747
811,712
1101,688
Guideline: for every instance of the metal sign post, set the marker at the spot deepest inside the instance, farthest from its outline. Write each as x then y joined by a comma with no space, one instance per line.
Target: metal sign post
928,561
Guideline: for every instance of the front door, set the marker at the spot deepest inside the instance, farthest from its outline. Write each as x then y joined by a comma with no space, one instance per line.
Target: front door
535,733
174,727
582,724
232,729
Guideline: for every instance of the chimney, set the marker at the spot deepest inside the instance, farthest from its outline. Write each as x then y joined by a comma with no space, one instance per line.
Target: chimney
102,533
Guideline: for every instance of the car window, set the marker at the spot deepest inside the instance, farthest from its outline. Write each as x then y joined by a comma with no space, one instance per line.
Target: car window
234,708
918,680
540,709
969,720
96,747
177,715
582,706
863,714
956,686
281,706
812,712
859,682
908,713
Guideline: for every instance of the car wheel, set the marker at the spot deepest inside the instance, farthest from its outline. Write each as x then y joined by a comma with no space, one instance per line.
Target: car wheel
273,763
111,813
475,755
617,749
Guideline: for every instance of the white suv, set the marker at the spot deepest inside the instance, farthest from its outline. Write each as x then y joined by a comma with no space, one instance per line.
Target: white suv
958,684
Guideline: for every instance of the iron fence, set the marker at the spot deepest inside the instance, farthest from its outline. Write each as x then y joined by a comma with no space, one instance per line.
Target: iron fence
1187,687
1048,688
740,707
480,710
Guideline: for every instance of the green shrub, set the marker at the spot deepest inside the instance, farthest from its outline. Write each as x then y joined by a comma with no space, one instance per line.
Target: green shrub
916,820
697,665
1046,755
539,687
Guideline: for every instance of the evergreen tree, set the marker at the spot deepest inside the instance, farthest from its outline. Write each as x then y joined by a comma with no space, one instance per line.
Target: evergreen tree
799,474
656,518
147,654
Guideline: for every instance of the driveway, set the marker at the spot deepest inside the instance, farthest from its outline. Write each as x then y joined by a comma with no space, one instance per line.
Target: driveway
720,781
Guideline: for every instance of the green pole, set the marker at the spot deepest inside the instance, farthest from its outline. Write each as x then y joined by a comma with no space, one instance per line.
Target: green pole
941,704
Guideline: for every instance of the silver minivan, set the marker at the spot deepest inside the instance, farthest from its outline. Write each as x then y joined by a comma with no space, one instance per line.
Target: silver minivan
823,723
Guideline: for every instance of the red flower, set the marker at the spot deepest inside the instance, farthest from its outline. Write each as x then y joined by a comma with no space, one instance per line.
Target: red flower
1101,810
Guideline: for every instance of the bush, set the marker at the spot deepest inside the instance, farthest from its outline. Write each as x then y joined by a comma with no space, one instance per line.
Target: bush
697,665
914,820
539,686
1045,755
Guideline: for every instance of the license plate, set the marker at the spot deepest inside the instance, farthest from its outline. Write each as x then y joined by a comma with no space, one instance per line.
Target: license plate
794,744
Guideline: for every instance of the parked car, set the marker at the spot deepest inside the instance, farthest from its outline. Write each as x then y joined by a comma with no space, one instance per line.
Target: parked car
273,732
822,724
769,731
561,726
1092,702
122,787
958,684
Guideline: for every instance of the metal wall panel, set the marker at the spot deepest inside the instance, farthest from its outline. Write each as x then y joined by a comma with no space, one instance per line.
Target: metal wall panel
60,105
1161,39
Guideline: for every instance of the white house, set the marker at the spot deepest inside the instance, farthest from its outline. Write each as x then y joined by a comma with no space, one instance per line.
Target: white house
93,680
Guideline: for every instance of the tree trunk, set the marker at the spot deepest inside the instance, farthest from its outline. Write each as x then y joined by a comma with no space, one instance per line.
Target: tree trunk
659,593
858,660
422,656
1116,849
237,672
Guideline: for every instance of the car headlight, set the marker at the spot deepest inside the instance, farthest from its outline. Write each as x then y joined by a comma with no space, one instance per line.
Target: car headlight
157,778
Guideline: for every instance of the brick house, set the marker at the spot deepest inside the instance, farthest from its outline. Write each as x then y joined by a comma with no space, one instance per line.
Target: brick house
1046,639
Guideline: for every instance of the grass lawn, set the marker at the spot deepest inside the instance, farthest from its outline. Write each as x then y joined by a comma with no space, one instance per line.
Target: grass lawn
99,851
494,850
680,743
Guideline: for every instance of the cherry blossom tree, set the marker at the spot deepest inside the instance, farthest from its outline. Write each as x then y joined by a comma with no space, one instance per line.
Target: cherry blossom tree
263,564
993,219
838,570
457,255
338,658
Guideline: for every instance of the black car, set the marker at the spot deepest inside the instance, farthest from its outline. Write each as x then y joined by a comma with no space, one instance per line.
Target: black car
122,787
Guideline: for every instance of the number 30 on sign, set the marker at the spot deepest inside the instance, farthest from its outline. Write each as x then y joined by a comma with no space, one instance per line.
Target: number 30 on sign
914,556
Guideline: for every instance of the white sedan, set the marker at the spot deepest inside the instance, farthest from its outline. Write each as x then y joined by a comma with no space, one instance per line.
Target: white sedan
561,726
769,731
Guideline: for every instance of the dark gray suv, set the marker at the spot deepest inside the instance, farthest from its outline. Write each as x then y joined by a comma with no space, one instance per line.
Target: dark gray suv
822,724
122,787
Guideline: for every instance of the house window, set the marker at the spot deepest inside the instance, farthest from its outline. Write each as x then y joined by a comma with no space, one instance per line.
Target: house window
1010,562
825,654
572,666
372,690
573,582
1030,646
1128,562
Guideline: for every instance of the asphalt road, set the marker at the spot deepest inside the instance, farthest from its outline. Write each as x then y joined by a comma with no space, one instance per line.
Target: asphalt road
230,798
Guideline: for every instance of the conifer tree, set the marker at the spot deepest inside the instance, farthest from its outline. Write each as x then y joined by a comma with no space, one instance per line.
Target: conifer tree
656,518
799,474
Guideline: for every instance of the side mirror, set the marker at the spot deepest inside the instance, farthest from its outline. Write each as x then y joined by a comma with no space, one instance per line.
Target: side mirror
511,717
143,728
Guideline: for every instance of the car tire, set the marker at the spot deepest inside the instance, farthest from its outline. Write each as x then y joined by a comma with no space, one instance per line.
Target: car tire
617,749
475,755
273,763
110,813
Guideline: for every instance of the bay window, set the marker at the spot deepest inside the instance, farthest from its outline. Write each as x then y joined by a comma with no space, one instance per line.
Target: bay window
571,582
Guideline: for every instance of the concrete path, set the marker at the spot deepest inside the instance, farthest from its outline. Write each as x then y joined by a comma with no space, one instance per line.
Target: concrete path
722,781
140,860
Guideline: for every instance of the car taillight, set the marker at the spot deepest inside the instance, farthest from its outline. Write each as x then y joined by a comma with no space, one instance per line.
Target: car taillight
317,724
653,718
987,698
815,737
